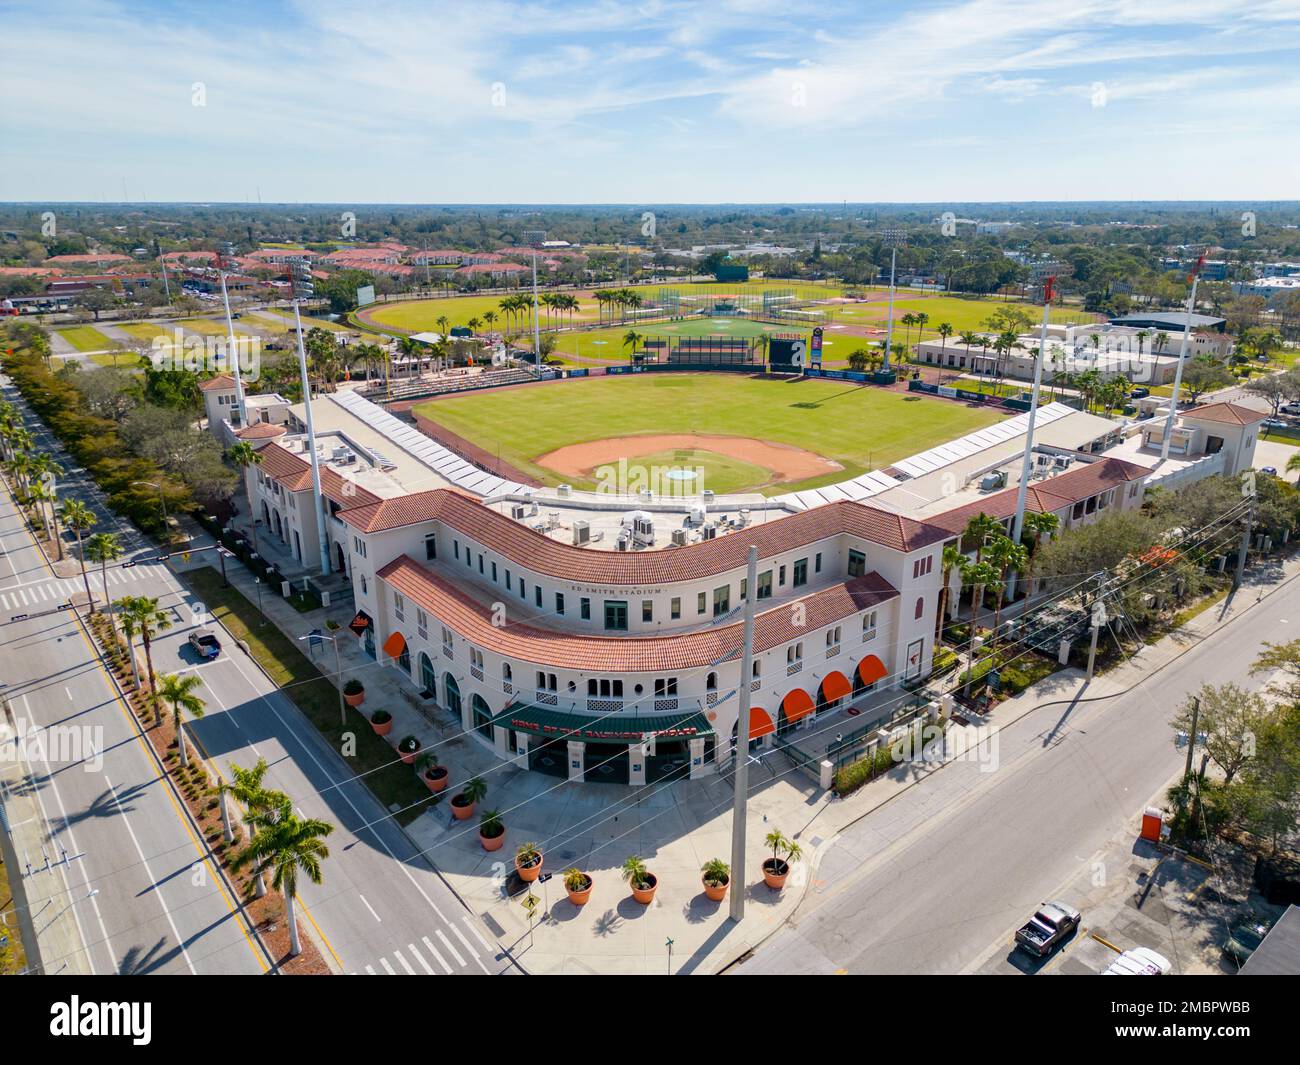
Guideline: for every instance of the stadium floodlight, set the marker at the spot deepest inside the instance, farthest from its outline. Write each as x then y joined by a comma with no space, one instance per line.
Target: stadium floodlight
892,238
1195,278
1046,273
534,238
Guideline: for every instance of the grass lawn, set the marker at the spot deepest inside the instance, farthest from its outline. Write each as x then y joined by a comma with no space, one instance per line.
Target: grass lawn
392,782
85,338
13,958
859,427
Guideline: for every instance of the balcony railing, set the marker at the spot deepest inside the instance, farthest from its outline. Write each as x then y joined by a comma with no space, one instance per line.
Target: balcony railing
545,698
870,634
711,698
507,687
669,703
832,650
754,685
476,672
793,667
446,651
604,706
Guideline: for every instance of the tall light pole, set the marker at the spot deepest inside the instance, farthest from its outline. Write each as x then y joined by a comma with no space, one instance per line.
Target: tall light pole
232,354
1182,356
535,237
316,634
321,528
1047,273
740,772
893,238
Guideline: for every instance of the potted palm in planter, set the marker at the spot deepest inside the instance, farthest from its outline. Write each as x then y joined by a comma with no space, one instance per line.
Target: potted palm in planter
641,880
578,885
777,867
354,693
408,749
382,722
528,862
464,801
492,832
433,773
716,876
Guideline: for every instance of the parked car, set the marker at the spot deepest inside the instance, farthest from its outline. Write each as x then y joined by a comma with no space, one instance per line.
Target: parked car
1291,408
1139,393
205,643
1141,961
1276,423
1046,929
1270,470
1245,936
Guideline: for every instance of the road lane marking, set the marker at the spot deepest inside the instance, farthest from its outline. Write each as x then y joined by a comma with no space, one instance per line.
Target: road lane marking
448,944
157,888
370,908
478,935
370,970
420,958
405,964
470,947
387,968
437,957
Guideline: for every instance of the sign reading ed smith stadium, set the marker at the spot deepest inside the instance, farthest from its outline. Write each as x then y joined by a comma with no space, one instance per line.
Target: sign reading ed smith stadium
601,734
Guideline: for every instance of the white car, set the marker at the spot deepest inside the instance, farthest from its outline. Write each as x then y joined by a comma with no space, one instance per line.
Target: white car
1141,961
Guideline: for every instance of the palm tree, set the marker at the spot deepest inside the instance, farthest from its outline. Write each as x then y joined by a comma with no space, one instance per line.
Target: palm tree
1038,525
245,455
1293,466
179,692
261,804
103,548
979,575
922,319
286,847
78,517
945,330
144,617
490,318
41,493
42,467
907,321
978,531
444,324
952,559
1006,555
630,340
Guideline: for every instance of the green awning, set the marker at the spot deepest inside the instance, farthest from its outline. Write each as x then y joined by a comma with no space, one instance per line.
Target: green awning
602,728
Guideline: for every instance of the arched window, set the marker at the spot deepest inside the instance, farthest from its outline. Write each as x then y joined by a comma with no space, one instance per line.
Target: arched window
920,607
711,684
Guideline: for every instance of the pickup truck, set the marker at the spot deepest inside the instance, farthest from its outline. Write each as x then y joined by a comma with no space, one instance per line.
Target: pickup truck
1051,923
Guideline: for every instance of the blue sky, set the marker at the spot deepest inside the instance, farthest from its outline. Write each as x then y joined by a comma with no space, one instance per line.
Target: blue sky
656,102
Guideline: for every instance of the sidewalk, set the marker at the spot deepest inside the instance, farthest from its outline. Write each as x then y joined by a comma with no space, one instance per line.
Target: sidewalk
674,827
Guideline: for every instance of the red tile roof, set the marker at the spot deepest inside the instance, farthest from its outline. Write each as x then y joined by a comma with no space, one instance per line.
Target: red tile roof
261,431
295,474
103,257
221,381
1229,413
535,551
1055,493
451,604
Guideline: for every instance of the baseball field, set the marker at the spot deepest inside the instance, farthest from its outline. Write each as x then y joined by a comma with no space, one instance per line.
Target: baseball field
741,433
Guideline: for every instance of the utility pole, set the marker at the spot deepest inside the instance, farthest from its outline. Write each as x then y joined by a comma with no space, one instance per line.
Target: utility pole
1099,619
1247,524
1182,357
740,771
892,237
1191,738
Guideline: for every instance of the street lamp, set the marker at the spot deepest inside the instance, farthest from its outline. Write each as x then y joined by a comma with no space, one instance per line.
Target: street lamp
535,238
163,500
316,634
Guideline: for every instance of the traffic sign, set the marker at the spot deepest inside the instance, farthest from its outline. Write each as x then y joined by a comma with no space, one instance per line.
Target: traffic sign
530,902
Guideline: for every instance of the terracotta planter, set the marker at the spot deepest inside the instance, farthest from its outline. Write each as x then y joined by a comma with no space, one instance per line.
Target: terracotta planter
409,757
382,729
715,892
354,700
580,898
645,896
437,782
492,843
529,873
462,813
775,873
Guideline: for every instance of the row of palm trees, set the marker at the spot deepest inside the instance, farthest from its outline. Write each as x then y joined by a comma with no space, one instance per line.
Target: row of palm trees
624,299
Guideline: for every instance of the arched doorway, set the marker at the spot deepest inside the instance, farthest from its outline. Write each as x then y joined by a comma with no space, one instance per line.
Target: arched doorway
833,689
482,717
266,514
370,640
343,559
428,680
451,694
870,670
297,546
796,705
760,725
279,525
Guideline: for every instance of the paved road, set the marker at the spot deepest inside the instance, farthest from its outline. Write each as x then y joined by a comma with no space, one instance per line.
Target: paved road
382,907
935,881
159,905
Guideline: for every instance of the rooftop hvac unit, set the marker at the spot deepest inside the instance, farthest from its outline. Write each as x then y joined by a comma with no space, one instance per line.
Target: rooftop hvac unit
1042,460
707,495
992,481
680,537
643,529
645,495
581,533
744,515
517,511
622,543
1063,462
709,532
564,491
697,515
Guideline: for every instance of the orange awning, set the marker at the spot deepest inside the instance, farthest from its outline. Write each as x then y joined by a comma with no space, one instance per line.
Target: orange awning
871,669
796,704
395,645
835,686
759,723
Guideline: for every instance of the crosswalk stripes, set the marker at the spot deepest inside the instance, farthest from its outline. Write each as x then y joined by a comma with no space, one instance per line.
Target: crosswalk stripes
61,589
427,947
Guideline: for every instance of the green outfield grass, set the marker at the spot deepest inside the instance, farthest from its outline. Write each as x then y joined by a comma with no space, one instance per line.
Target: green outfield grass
859,427
85,338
